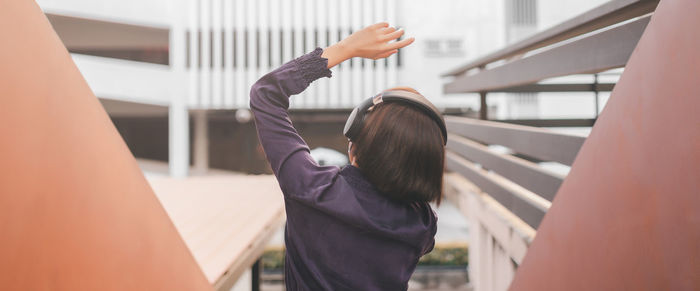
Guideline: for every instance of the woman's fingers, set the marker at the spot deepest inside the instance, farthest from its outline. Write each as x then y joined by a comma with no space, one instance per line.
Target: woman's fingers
386,30
394,35
399,44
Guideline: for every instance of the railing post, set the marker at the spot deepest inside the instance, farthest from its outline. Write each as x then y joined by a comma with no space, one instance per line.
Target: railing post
255,273
201,141
595,90
483,109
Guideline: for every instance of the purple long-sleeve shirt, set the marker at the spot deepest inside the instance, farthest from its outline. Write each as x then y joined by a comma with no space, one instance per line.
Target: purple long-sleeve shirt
341,233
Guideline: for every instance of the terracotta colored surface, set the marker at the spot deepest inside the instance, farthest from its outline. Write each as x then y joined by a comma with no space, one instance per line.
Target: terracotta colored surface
75,211
628,215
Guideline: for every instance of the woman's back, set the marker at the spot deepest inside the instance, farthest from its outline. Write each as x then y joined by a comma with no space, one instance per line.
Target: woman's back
352,238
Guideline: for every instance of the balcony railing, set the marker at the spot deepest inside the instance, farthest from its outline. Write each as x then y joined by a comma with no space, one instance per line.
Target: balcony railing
507,193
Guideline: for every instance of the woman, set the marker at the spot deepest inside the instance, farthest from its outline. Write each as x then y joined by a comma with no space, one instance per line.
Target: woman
362,227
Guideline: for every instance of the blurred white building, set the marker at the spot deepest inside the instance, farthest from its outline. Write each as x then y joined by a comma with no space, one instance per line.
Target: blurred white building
188,57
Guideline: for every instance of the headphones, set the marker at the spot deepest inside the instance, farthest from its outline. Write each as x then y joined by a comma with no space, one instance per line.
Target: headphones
357,116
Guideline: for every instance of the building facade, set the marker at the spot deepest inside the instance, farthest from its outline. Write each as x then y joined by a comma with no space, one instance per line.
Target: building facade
179,67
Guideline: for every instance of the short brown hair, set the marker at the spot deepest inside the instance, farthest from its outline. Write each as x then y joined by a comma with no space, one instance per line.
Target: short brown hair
400,150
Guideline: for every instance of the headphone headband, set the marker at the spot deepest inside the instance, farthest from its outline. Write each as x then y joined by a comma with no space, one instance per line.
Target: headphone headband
357,116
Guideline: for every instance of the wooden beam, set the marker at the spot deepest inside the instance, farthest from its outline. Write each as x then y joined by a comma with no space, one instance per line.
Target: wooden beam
595,53
535,142
594,19
527,174
537,88
586,122
527,206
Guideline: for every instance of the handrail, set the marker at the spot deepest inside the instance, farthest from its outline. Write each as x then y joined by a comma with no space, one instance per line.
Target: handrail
594,53
526,205
596,18
527,174
538,143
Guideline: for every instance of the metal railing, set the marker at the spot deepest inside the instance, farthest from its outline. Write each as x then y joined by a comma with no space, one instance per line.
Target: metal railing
595,41
498,180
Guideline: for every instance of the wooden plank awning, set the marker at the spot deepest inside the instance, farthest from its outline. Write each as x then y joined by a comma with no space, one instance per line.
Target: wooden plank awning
225,220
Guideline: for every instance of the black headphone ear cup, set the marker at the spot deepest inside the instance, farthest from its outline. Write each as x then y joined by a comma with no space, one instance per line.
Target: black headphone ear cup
351,125
356,119
356,127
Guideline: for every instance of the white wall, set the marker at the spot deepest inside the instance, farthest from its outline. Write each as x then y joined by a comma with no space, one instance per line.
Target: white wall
553,12
478,23
566,105
553,105
155,13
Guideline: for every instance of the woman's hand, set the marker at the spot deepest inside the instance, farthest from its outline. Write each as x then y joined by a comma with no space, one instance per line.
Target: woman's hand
372,42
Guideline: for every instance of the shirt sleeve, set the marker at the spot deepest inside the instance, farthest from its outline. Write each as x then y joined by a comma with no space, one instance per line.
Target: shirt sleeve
296,171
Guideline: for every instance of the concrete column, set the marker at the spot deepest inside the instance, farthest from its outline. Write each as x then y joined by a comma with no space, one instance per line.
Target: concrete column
201,142
179,139
178,117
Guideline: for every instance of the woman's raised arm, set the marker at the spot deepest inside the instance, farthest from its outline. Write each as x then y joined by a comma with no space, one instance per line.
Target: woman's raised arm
286,151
